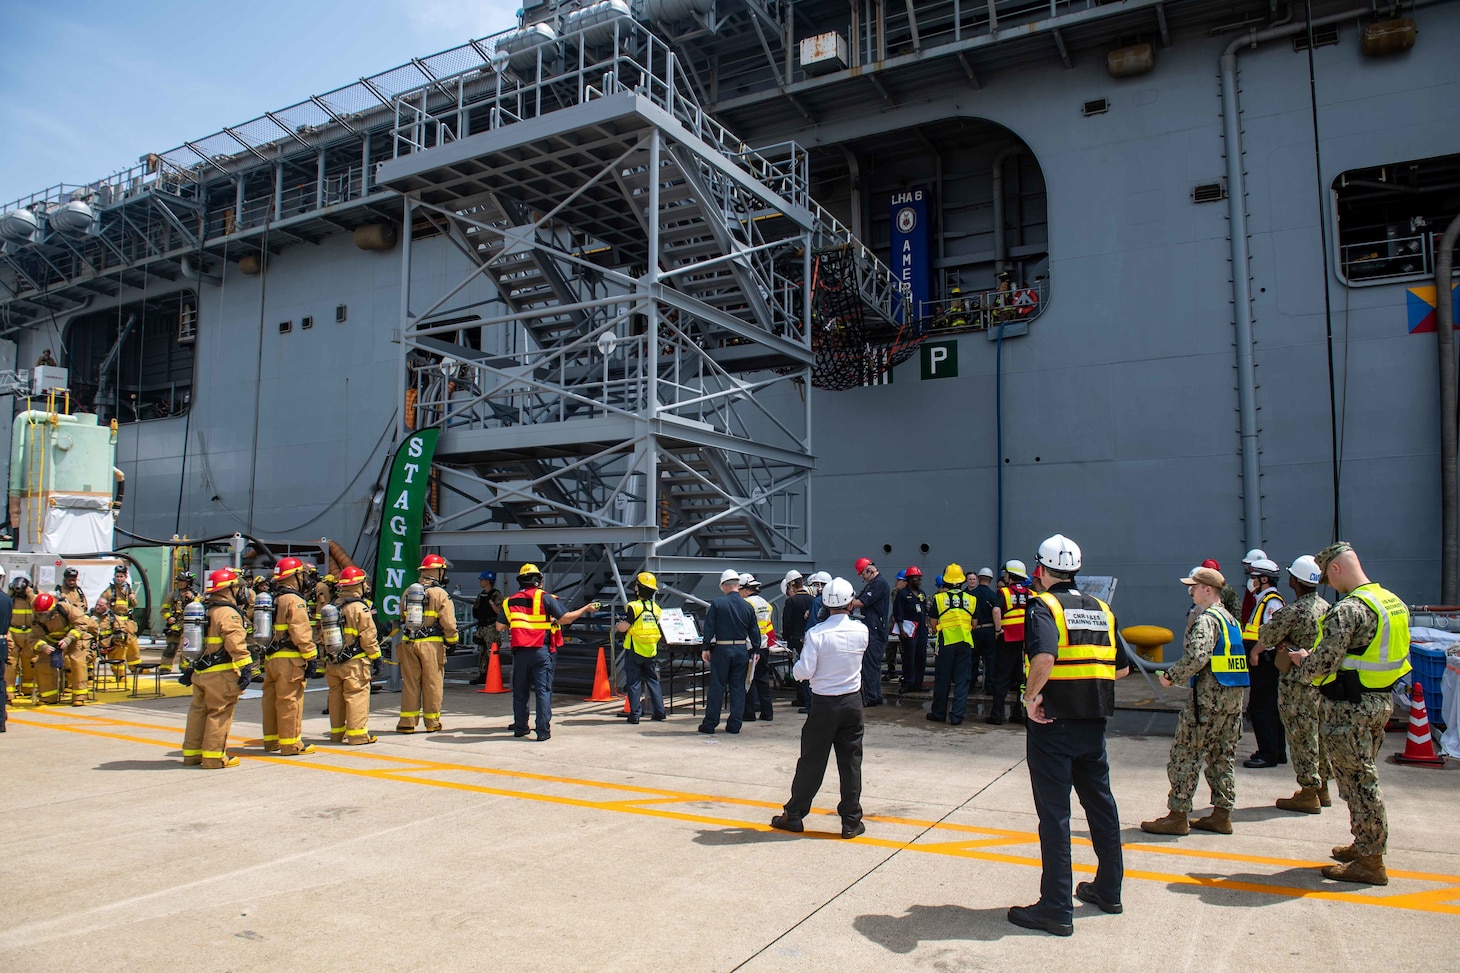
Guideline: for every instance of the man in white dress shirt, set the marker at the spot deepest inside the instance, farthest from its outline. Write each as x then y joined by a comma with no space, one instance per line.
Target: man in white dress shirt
832,660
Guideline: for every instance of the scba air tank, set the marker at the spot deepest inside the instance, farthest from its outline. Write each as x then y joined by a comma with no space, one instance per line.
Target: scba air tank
263,617
329,626
194,615
415,602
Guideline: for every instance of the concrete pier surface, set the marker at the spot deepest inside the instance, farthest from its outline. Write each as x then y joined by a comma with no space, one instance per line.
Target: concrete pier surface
617,847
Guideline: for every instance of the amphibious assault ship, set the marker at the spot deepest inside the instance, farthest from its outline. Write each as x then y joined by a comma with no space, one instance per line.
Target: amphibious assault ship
685,283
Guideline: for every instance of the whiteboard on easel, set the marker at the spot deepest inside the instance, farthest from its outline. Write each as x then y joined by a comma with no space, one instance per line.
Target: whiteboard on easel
678,628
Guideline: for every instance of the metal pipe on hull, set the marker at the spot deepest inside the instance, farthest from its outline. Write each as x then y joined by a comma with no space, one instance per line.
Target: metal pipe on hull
1449,464
1241,279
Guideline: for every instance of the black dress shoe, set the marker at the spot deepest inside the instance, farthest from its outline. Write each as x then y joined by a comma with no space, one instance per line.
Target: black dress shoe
633,719
660,718
748,718
1258,761
1025,916
852,830
1085,892
545,736
994,719
518,733
802,709
782,822
705,729
935,718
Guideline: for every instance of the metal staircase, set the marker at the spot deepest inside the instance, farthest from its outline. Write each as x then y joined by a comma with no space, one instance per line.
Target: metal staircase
619,355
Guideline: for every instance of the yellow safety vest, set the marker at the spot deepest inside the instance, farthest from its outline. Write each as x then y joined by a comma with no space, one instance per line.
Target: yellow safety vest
1386,658
762,616
1254,623
955,616
644,634
1081,659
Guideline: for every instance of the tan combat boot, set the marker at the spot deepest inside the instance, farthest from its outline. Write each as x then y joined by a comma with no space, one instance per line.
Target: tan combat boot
1366,869
1305,800
1344,853
1220,821
1324,798
1173,823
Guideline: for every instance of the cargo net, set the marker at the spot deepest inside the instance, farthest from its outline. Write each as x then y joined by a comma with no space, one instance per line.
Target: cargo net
851,352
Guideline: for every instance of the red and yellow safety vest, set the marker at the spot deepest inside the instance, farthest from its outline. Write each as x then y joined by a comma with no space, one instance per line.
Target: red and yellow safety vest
529,622
1015,598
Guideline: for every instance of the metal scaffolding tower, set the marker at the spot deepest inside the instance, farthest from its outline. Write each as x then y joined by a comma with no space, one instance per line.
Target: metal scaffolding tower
620,360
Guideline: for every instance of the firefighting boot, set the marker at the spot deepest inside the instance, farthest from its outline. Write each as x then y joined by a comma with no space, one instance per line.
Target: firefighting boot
1305,800
1220,821
1366,870
1173,823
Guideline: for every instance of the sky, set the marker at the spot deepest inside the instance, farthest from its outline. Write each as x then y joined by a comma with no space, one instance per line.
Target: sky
88,86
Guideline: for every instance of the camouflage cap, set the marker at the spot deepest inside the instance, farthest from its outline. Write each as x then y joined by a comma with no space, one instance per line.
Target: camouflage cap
1326,556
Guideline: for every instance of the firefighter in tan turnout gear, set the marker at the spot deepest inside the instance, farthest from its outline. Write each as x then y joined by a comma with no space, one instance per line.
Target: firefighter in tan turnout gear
61,627
22,643
172,614
428,622
218,676
290,662
350,664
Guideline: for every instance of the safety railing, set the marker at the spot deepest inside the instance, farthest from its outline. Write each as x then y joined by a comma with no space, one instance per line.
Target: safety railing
1389,258
982,310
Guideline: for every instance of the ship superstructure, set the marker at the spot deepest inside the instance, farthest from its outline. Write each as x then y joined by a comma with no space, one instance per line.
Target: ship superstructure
638,265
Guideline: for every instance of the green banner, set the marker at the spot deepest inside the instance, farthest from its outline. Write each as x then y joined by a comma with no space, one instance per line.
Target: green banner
400,528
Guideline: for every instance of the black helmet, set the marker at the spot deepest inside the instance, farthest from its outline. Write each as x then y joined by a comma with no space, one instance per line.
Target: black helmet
71,573
187,577
18,584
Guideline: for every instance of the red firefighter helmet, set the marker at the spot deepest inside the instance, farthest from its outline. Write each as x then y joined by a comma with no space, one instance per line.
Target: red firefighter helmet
220,579
436,561
43,602
287,567
351,575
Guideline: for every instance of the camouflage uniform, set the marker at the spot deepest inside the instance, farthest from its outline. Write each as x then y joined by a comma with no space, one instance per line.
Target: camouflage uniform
1210,723
1231,600
1351,733
1296,625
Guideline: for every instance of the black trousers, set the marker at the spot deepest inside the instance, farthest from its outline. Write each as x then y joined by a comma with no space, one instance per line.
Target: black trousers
1262,709
758,697
985,654
834,723
1062,755
1008,674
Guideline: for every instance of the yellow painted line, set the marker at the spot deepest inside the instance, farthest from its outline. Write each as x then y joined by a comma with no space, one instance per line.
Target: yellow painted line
1433,901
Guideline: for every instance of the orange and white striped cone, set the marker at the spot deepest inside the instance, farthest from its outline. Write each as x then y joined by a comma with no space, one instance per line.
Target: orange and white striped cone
1419,748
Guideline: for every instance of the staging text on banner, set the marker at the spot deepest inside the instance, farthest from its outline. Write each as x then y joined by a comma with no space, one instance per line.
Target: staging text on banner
400,530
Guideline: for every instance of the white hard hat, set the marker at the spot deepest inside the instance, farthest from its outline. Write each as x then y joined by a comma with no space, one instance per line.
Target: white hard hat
791,575
985,573
1256,554
1016,568
748,581
819,577
1264,566
838,594
1059,553
1305,569
730,574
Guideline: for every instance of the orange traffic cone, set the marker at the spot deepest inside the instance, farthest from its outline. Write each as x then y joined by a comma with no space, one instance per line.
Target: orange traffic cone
494,675
1418,747
602,691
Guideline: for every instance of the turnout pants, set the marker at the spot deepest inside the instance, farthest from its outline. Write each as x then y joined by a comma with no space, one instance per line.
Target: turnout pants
47,672
834,723
77,679
283,705
532,676
205,741
349,689
25,657
422,672
642,670
1062,755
